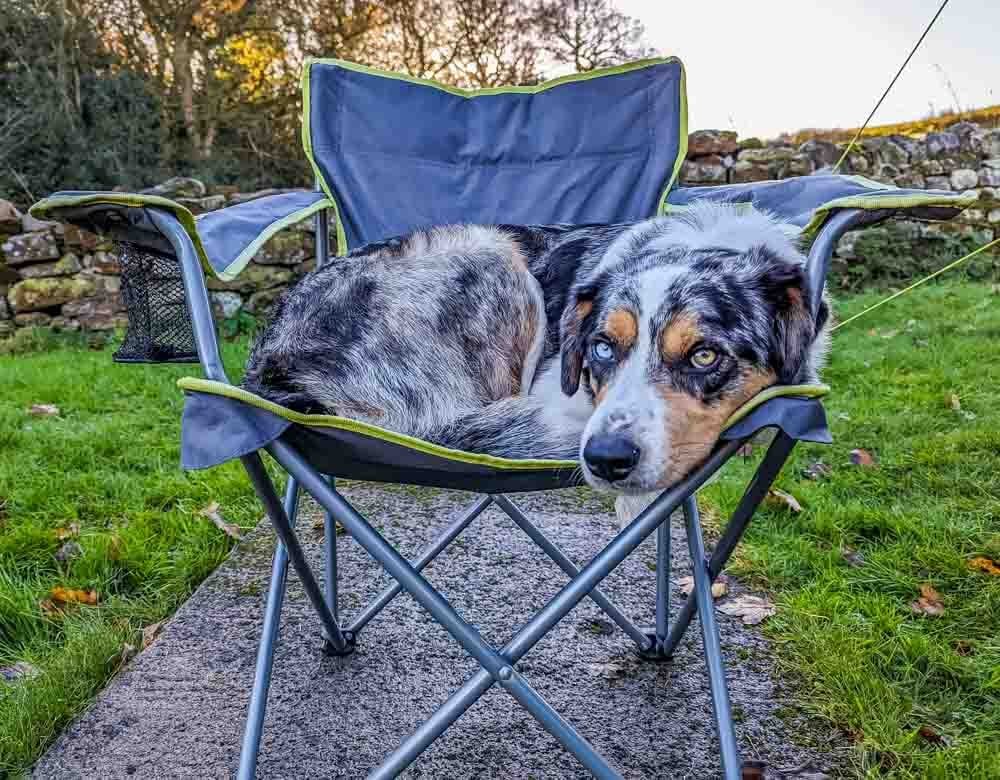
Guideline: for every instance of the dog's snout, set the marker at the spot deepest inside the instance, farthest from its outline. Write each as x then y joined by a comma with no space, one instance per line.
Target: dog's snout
610,456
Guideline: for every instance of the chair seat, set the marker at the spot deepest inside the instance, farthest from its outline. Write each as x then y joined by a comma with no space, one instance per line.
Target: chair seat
222,422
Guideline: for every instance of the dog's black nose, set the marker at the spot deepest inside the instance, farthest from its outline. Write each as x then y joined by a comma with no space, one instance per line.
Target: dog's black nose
610,456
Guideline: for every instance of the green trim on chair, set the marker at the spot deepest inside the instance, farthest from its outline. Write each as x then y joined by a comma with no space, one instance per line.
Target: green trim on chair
682,133
193,384
233,270
46,206
682,143
895,202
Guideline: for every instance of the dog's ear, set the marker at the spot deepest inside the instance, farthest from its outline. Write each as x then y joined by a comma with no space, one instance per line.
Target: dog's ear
786,288
573,337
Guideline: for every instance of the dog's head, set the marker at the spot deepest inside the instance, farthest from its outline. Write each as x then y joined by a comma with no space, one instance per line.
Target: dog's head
681,322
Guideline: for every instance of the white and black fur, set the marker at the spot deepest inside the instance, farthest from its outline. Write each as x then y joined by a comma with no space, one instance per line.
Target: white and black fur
553,341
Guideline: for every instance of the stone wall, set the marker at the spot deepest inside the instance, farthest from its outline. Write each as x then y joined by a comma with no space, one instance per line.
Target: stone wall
962,158
60,277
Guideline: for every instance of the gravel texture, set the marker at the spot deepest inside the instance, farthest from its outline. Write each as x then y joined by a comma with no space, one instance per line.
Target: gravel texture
178,709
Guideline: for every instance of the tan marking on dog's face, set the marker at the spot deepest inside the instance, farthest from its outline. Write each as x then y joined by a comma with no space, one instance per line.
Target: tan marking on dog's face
599,391
622,328
678,336
583,308
693,427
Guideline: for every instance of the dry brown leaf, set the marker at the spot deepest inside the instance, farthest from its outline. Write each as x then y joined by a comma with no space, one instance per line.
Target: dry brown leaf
932,735
863,458
43,410
964,648
750,609
211,513
127,654
955,402
719,588
985,565
18,671
150,632
817,471
68,532
61,595
780,498
929,602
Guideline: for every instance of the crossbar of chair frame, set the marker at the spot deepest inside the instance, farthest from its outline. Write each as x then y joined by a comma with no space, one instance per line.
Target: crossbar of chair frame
498,666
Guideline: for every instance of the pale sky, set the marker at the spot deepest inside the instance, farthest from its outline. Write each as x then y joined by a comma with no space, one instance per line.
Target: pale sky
770,66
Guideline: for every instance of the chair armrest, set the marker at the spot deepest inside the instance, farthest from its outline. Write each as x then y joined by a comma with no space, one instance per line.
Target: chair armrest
224,240
809,201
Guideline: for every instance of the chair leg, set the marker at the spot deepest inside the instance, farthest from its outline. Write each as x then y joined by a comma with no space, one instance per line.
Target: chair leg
272,505
429,553
767,472
331,575
662,582
570,569
702,595
268,640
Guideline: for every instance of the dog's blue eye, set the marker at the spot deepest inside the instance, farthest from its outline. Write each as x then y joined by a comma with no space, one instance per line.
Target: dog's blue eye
602,351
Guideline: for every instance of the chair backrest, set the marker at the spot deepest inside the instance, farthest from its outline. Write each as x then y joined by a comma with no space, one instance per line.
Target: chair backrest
398,153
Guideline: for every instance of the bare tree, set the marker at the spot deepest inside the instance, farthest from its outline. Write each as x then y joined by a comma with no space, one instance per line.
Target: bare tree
589,34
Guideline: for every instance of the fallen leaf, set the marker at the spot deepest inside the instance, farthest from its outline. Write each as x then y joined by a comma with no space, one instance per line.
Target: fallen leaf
319,526
932,735
43,410
955,402
889,334
150,632
612,670
211,513
746,450
853,557
18,671
964,648
985,565
719,588
929,602
751,609
68,552
780,498
863,458
127,653
68,532
817,471
61,595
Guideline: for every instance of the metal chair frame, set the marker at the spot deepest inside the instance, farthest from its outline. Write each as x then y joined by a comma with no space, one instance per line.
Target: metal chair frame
499,665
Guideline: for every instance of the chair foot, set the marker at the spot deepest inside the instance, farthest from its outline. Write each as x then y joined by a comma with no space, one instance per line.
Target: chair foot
349,647
752,770
654,652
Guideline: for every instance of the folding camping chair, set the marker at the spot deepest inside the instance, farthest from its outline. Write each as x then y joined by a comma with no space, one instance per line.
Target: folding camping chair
391,154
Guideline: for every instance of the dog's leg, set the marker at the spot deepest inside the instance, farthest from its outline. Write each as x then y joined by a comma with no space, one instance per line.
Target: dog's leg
519,427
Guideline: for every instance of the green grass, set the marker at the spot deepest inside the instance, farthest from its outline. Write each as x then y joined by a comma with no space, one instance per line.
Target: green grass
109,463
868,664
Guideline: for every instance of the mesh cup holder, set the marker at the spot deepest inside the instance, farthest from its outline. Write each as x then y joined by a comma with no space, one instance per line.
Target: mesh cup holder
159,326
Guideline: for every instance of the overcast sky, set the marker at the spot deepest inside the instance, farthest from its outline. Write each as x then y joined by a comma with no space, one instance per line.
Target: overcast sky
774,65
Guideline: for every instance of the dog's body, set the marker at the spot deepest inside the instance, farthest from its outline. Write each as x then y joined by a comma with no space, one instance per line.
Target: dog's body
477,338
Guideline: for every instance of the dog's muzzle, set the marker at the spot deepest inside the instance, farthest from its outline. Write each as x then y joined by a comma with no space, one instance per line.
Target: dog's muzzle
611,456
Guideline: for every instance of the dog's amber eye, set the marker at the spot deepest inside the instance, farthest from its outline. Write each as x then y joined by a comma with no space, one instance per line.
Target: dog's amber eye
602,351
704,357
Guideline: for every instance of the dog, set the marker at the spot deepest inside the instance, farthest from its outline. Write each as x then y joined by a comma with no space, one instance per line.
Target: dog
624,346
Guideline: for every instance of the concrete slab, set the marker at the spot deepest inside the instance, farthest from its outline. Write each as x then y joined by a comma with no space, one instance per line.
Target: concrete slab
178,709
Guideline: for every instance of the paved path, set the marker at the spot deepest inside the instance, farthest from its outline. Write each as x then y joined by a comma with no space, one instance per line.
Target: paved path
178,709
